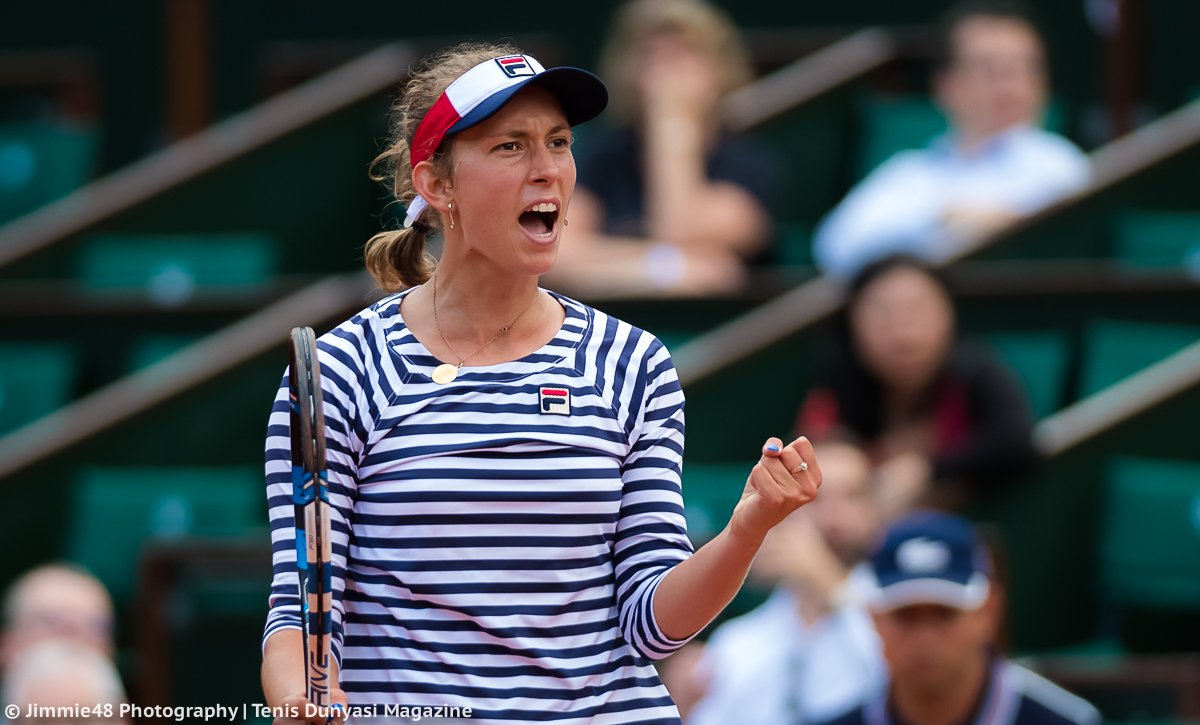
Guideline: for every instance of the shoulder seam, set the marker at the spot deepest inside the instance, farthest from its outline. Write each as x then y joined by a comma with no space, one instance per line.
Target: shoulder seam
1051,696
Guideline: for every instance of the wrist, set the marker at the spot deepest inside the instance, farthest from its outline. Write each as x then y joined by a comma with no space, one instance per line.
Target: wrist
743,538
665,265
675,125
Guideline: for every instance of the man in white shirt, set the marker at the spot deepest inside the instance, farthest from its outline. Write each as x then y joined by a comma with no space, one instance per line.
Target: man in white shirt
810,650
992,166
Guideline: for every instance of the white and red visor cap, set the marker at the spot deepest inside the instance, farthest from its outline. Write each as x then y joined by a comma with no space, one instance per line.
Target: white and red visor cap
482,91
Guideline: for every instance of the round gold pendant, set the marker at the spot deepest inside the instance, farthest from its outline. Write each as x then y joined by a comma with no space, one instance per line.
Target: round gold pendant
445,373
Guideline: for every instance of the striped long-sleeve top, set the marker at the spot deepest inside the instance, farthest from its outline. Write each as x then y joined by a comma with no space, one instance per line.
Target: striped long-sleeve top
498,540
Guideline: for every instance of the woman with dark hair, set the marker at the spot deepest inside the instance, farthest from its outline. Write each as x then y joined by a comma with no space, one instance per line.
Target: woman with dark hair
938,416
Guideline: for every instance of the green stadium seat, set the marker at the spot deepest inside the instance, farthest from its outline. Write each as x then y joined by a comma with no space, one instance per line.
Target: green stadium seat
710,492
893,123
1158,239
793,243
1040,360
1150,546
811,143
170,267
40,163
115,510
1114,350
35,379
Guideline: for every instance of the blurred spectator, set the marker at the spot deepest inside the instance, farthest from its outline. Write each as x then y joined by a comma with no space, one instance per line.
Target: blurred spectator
991,167
937,609
60,677
668,202
939,418
686,677
56,601
809,651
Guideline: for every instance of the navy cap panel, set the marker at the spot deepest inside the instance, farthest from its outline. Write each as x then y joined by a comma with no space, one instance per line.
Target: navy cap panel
925,558
928,545
583,97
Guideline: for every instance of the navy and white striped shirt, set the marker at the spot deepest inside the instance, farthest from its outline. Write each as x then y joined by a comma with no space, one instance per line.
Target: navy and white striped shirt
489,553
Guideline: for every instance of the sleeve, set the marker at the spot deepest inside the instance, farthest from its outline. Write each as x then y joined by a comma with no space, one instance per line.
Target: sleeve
1000,446
651,535
1060,169
344,443
889,211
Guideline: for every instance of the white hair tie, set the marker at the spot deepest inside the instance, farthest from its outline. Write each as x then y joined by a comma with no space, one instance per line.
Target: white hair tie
415,208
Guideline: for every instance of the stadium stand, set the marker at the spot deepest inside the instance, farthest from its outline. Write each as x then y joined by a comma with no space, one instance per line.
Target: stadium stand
289,174
40,163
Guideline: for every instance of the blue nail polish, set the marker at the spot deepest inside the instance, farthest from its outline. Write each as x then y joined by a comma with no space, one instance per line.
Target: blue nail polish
773,448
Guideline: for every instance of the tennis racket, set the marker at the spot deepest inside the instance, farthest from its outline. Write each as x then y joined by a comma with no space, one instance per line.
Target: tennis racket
310,495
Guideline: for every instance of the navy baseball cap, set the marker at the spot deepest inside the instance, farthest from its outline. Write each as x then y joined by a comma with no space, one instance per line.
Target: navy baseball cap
930,557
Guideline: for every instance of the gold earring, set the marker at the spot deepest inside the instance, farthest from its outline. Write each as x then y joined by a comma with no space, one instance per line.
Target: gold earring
450,206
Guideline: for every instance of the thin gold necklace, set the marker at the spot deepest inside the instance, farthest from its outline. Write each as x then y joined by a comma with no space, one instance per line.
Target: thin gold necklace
447,372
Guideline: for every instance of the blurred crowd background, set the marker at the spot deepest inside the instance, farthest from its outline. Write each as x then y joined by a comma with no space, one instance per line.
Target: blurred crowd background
959,247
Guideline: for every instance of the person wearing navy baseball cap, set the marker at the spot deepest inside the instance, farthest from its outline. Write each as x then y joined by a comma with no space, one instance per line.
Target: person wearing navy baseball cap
937,608
507,527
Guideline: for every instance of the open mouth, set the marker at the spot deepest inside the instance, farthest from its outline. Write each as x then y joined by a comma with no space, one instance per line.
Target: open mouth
539,219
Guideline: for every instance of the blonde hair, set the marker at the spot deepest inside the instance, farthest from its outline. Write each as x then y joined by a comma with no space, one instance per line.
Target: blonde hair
397,258
699,23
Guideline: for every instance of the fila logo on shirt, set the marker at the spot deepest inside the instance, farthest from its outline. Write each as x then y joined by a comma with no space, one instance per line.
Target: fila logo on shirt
554,401
515,65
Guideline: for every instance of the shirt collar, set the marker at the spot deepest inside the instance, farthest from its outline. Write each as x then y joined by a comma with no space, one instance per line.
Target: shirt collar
946,144
882,711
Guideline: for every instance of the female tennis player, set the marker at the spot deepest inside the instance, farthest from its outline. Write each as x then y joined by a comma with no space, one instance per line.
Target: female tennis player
504,462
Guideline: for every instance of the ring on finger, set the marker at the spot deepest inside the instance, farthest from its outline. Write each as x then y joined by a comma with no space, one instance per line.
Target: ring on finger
800,468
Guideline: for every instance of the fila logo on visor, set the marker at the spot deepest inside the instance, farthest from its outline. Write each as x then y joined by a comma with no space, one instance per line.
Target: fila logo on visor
554,401
515,65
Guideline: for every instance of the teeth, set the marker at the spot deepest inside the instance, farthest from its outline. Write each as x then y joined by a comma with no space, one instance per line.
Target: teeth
545,206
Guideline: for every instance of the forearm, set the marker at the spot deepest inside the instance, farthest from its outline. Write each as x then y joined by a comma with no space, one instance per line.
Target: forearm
601,265
675,176
283,671
686,208
696,590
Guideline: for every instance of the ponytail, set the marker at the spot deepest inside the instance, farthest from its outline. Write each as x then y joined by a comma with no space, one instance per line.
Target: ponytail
397,258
